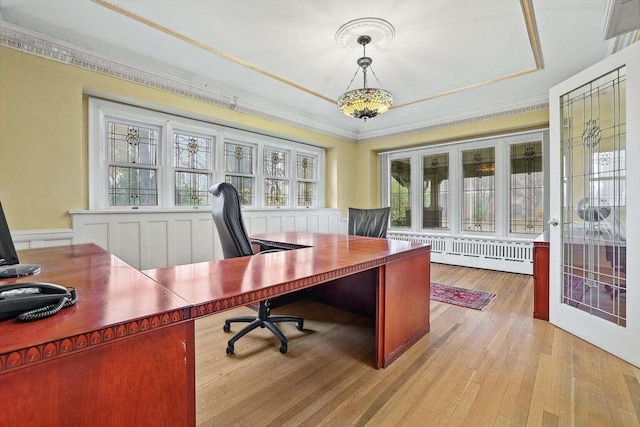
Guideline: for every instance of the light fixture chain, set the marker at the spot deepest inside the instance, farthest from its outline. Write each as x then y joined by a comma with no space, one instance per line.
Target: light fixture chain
374,75
352,78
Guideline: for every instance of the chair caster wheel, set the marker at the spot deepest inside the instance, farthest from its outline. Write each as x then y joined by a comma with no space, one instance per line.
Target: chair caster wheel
227,328
283,348
230,350
300,326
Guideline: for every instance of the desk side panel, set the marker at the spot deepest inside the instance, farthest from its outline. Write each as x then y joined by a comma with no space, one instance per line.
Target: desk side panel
148,379
406,293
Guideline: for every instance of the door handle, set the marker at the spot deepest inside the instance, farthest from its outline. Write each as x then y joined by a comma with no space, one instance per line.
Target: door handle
554,222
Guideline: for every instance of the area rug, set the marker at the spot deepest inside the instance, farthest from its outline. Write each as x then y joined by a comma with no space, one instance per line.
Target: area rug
459,296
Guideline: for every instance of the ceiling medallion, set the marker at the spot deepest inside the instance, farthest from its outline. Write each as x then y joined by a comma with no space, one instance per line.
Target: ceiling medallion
380,31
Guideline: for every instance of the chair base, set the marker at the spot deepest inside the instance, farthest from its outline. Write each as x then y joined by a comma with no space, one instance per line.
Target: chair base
264,320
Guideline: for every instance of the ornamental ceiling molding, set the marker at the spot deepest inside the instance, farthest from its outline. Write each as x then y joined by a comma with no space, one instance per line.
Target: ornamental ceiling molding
31,42
24,40
528,105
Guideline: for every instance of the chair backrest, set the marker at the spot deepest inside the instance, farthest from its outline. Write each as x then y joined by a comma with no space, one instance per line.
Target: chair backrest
225,208
369,222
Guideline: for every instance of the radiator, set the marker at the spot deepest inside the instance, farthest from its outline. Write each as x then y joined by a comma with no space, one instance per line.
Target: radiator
491,254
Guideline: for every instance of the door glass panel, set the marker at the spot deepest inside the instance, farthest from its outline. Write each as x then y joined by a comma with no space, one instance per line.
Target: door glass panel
594,197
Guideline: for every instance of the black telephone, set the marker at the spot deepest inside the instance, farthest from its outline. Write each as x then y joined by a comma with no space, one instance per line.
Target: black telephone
34,300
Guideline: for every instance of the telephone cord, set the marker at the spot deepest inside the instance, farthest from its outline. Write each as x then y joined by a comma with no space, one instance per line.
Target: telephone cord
49,310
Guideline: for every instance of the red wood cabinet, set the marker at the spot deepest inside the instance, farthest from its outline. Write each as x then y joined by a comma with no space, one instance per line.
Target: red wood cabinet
541,277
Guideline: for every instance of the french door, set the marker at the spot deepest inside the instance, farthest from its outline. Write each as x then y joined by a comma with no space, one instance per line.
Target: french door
595,204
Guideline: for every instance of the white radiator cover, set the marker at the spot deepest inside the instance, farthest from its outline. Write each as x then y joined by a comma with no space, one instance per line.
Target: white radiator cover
491,254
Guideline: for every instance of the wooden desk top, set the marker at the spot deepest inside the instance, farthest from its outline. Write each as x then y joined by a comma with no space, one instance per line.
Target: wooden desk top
220,285
114,301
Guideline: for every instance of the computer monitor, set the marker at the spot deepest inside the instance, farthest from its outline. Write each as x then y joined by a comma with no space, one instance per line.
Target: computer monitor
9,263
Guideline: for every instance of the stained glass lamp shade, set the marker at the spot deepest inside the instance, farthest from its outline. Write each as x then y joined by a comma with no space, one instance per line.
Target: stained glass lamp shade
366,102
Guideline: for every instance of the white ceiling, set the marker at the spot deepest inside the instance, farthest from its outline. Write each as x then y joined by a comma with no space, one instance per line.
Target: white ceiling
448,58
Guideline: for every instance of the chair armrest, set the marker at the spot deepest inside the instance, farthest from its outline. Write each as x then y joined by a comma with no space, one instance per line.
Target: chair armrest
265,248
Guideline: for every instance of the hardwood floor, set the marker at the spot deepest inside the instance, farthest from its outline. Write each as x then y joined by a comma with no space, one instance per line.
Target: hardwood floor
497,367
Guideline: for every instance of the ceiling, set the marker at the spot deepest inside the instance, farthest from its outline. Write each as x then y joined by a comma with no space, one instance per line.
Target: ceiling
447,59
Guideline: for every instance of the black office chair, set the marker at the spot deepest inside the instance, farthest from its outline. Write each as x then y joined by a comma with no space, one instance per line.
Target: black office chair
225,208
369,222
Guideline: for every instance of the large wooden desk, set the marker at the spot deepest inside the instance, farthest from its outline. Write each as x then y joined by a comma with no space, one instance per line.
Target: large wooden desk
391,280
124,355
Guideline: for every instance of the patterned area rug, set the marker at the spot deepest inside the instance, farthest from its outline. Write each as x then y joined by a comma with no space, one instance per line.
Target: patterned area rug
459,296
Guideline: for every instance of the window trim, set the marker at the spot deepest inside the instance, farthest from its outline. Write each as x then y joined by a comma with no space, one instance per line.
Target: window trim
454,149
100,109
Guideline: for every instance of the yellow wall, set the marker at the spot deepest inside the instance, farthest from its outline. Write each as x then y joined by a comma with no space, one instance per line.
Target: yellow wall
43,137
43,140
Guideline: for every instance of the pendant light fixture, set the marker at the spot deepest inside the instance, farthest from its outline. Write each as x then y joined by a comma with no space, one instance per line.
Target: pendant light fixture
366,102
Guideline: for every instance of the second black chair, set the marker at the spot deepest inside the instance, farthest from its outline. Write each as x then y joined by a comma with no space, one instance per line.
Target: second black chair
369,222
236,243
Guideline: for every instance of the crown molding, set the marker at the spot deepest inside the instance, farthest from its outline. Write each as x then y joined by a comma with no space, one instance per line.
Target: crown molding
618,43
31,42
531,104
25,40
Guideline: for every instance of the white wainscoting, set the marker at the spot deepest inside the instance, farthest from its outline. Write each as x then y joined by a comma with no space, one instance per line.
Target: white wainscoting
153,239
491,254
30,239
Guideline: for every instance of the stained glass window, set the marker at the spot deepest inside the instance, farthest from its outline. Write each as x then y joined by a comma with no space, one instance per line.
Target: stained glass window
435,191
192,153
143,158
527,188
400,194
240,170
478,189
133,155
276,191
306,175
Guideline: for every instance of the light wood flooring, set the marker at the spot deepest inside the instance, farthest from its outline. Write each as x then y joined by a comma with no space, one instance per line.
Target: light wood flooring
497,367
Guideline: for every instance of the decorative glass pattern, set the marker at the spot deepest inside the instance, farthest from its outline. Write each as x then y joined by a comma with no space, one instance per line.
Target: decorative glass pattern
132,186
129,143
276,192
478,189
245,187
275,163
192,189
306,176
192,153
435,191
365,103
527,188
306,193
238,158
400,197
240,170
306,166
594,213
132,155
